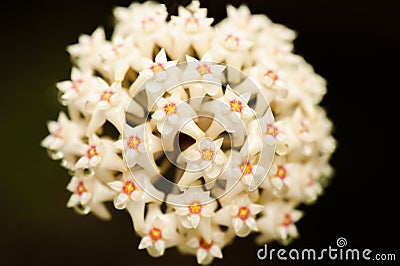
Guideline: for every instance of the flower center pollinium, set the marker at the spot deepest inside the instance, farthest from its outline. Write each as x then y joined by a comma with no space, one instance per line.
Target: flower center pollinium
128,187
195,207
243,213
155,234
133,142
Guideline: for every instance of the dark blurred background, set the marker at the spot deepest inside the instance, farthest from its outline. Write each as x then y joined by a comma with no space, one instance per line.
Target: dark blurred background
353,44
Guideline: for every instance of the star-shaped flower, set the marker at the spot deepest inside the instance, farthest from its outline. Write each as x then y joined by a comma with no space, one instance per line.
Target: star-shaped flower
139,146
243,173
127,190
64,139
233,112
205,250
75,91
173,115
194,207
86,52
242,19
203,159
155,77
278,222
231,46
88,195
108,102
159,232
146,22
191,28
274,133
100,155
280,176
239,213
203,69
117,56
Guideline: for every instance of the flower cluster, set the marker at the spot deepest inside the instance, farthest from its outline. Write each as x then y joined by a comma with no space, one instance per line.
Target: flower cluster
130,107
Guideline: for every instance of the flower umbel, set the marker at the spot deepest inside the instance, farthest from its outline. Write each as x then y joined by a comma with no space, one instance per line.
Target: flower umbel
201,132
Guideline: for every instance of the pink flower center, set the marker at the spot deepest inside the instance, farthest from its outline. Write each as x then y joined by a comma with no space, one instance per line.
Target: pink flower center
80,189
303,127
246,168
133,142
106,95
232,40
128,187
281,172
204,244
195,207
155,234
157,67
272,75
236,105
271,130
192,23
287,220
170,108
243,213
203,69
147,24
91,152
76,84
207,154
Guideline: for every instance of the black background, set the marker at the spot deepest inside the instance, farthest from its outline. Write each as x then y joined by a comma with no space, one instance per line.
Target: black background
353,44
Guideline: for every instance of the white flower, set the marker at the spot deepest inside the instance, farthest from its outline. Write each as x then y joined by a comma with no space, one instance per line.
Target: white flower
86,52
246,167
127,191
302,133
232,111
196,207
280,175
80,193
271,81
203,69
231,46
226,144
101,156
274,133
204,158
242,19
159,232
75,91
88,195
139,146
61,132
173,115
278,222
191,28
109,103
133,196
312,188
236,107
118,56
155,77
147,23
239,213
306,185
206,250
64,139
193,19
243,173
